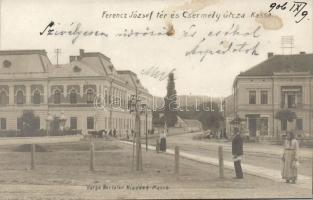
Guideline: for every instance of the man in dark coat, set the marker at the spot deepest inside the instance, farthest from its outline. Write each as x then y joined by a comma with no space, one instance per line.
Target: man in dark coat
237,151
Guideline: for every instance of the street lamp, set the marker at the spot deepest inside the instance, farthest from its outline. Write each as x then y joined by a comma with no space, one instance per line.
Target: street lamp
145,110
48,121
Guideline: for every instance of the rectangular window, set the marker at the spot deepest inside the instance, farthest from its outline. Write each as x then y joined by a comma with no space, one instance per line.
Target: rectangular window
73,123
299,124
252,97
264,97
283,125
291,101
90,123
3,123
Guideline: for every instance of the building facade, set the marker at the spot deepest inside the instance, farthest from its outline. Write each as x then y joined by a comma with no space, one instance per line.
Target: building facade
280,83
86,94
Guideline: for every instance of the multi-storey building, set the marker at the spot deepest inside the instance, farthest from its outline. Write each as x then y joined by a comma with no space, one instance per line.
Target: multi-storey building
28,81
282,82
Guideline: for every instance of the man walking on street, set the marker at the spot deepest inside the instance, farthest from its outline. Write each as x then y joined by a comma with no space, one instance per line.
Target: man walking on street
237,151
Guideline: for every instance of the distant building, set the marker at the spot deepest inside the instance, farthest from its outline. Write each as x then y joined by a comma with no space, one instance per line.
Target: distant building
282,82
28,81
188,124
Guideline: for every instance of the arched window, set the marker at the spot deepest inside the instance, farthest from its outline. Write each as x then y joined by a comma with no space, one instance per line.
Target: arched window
20,97
57,97
73,97
36,97
3,97
90,96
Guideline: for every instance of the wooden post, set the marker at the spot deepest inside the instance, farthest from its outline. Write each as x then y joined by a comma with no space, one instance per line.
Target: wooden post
176,160
32,156
92,157
221,161
157,146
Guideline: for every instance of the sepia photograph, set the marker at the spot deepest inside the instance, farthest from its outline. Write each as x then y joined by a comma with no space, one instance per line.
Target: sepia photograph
156,99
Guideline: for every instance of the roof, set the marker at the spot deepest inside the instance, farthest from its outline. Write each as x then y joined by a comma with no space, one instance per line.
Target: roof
131,78
192,122
98,61
85,64
23,61
282,63
73,69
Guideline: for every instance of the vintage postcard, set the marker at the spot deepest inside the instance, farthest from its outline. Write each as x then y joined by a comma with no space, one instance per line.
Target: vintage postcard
155,99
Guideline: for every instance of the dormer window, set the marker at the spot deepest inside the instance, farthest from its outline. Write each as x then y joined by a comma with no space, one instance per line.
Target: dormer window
76,68
111,68
7,64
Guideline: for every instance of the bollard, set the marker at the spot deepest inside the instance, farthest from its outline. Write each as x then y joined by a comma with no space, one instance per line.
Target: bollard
157,146
92,157
221,161
32,156
176,160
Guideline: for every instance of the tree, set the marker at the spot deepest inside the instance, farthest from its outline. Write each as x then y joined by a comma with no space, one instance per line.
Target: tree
286,115
157,120
170,102
237,121
29,123
210,115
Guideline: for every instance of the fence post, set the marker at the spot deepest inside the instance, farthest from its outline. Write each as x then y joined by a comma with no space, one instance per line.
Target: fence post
157,146
176,160
32,156
92,157
221,161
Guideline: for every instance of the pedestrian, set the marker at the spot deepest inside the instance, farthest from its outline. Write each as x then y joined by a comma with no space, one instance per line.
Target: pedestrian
114,132
163,139
290,158
127,136
237,151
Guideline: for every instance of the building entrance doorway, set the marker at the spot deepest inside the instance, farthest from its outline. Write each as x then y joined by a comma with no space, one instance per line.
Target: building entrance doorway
252,127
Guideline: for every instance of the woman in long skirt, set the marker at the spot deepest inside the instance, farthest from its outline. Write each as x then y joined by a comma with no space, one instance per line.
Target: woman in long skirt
290,159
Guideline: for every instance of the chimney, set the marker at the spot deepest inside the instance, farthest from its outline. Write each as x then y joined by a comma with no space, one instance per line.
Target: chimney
72,58
81,52
302,52
270,54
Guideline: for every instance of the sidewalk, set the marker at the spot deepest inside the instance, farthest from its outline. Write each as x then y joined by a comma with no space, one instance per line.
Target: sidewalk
262,148
40,140
304,182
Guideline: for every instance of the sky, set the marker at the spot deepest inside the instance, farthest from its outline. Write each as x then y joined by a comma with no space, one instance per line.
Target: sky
22,20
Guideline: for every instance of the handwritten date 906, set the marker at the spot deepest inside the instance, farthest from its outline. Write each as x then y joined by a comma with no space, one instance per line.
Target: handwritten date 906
296,7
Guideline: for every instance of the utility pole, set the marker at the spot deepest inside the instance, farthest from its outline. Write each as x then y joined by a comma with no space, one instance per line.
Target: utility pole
134,106
287,42
57,53
146,112
0,24
111,99
137,126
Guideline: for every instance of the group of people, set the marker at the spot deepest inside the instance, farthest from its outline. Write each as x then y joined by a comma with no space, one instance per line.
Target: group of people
110,132
289,158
